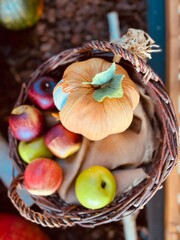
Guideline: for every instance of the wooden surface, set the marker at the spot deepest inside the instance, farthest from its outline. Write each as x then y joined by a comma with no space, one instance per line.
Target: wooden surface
172,185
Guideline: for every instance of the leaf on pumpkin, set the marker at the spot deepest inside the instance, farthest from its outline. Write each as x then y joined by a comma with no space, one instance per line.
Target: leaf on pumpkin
112,89
103,77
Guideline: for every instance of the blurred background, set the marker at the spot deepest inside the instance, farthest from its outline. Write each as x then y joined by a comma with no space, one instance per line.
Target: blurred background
31,34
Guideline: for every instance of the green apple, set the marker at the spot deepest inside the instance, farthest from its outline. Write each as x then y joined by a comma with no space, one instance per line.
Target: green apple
95,187
31,150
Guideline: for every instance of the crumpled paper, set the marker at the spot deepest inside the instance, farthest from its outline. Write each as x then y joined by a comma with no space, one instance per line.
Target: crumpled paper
122,153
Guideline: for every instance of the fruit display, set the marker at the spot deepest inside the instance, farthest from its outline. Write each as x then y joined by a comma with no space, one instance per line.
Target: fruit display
39,141
69,132
86,103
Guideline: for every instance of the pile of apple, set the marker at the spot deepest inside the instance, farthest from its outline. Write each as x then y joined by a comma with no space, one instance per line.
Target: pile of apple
40,144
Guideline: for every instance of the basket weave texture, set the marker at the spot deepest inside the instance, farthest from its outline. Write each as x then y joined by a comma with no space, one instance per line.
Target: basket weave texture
53,211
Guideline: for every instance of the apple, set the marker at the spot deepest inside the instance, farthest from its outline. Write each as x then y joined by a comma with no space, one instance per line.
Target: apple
61,142
15,227
95,187
43,176
31,150
26,122
40,93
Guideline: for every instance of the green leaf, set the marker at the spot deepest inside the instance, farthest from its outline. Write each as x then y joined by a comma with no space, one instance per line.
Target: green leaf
104,77
108,84
111,90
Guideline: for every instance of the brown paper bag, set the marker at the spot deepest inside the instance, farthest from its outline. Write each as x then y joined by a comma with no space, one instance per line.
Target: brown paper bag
127,151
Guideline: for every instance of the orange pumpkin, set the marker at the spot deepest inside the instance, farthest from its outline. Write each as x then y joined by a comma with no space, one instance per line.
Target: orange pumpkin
96,98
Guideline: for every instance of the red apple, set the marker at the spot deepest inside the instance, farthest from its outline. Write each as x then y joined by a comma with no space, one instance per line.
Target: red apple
43,176
26,122
61,142
40,93
15,227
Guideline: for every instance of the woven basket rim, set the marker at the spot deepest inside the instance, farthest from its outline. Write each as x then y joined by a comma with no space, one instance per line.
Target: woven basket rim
51,214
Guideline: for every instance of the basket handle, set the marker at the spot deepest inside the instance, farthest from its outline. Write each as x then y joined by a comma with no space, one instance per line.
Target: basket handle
26,211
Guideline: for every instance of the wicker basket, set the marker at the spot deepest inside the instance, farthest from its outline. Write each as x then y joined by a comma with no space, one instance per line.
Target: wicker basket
54,212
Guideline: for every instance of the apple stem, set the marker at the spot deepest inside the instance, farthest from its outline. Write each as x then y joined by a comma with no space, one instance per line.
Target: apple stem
129,226
103,184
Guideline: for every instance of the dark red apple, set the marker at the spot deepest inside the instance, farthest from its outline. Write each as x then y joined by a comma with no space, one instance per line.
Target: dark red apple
15,227
40,93
26,122
61,142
